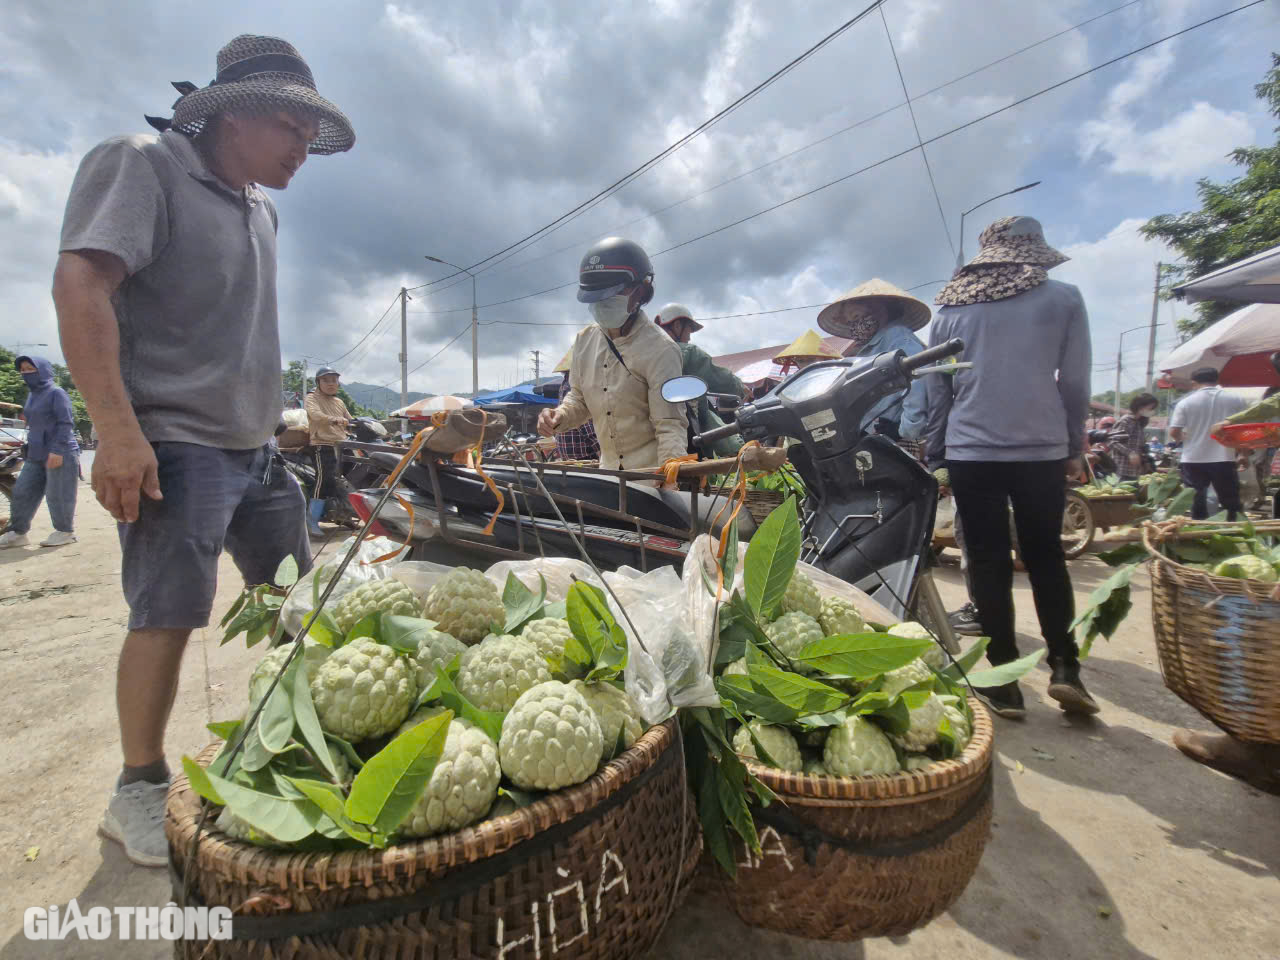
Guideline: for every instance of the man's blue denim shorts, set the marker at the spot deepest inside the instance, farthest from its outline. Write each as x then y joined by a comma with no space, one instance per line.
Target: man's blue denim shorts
212,498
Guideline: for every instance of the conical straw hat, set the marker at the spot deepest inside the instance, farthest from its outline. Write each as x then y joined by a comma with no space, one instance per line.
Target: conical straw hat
807,346
915,313
563,365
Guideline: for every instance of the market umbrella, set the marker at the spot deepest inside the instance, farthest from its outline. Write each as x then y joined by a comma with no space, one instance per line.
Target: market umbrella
1238,346
1254,279
423,409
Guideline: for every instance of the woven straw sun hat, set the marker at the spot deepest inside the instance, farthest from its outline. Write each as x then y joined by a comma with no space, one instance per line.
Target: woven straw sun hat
914,313
259,75
807,346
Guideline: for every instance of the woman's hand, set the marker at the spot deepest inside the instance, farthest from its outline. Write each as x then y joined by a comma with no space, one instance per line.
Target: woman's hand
53,461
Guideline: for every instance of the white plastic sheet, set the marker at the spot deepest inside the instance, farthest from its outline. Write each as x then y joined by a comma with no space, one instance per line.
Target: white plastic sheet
361,569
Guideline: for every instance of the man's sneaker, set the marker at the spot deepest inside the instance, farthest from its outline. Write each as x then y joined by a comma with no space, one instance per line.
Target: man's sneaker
12,539
135,820
59,538
1066,687
965,621
1005,700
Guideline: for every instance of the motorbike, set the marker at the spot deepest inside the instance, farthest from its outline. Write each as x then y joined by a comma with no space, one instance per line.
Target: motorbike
357,471
867,516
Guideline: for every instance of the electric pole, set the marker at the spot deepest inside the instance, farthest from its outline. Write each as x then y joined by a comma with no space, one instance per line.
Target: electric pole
1151,343
537,368
404,347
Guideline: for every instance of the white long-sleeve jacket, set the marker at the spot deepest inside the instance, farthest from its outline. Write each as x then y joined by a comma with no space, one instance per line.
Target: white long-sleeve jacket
637,429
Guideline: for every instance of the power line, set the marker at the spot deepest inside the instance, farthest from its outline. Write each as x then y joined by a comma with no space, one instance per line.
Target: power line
371,329
701,128
924,154
433,356
816,143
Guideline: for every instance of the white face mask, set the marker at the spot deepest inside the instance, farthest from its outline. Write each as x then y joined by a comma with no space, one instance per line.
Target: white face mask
612,312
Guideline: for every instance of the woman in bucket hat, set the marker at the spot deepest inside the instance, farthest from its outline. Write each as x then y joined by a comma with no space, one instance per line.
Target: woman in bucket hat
1012,430
876,317
165,289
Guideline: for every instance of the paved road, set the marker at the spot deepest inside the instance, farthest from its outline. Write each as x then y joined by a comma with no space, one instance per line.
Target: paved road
1090,816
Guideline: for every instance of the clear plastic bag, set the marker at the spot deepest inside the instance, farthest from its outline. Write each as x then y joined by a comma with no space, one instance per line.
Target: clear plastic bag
362,569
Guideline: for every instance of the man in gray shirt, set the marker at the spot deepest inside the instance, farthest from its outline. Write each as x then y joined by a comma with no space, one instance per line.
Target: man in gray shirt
165,290
1011,430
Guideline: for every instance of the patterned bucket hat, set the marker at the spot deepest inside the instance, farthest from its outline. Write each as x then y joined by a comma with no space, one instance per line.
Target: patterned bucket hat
1013,258
260,75
1016,240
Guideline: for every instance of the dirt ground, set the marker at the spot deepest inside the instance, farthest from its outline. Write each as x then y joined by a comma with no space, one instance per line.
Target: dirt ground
1107,842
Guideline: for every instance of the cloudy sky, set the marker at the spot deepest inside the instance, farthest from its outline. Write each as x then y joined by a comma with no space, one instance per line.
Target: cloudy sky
479,123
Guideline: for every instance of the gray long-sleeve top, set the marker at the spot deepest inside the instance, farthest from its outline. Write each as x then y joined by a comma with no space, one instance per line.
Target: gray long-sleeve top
1027,396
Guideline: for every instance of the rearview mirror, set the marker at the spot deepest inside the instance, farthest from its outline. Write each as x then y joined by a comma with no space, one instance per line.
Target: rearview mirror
683,389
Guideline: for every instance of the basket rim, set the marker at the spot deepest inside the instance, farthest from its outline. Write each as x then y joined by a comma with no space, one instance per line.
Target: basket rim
1186,576
889,789
250,863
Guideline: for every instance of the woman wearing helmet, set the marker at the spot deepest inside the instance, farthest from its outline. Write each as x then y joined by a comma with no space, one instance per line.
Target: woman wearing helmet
619,364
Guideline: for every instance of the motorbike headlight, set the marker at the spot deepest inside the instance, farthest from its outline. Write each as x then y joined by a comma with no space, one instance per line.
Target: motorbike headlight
812,382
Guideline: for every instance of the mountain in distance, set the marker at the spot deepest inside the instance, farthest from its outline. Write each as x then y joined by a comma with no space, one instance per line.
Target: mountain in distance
379,398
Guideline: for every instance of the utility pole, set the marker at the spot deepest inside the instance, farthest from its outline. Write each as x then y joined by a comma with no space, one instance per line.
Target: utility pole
537,367
475,341
404,347
1151,343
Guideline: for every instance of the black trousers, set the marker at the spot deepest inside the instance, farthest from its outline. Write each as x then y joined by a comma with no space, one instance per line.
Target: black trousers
1226,484
1037,489
328,469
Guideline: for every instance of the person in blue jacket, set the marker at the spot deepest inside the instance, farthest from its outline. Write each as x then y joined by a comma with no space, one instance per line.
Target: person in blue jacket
52,468
877,317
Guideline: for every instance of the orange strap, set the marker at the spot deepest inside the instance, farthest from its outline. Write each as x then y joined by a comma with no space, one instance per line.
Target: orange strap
407,459
671,469
478,457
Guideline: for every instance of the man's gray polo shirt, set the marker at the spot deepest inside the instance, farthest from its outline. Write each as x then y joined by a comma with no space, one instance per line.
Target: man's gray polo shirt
199,335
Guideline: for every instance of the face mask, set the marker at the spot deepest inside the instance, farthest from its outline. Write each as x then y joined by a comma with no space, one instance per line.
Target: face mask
1143,419
32,380
612,312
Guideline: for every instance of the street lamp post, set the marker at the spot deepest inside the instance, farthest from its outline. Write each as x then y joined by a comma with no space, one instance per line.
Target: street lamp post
1115,399
960,253
475,326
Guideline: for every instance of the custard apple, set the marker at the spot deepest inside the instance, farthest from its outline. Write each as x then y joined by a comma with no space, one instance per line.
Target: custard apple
814,739
238,829
923,733
1247,567
736,668
895,681
465,604
493,673
934,656
777,742
436,651
550,738
791,633
858,748
802,596
463,784
549,635
377,596
916,761
839,617
364,689
959,726
813,766
614,709
313,655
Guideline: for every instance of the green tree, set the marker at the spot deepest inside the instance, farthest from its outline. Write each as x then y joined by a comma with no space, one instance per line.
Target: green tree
1236,219
291,377
14,390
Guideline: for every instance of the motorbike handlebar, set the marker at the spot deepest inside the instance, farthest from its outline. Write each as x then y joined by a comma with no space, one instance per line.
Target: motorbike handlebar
719,433
925,357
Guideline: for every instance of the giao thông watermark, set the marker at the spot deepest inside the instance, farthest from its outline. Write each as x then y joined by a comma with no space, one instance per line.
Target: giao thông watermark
170,922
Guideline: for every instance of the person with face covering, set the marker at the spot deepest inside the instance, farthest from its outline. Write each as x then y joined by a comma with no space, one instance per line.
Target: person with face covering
877,317
1127,436
677,320
619,364
52,468
327,419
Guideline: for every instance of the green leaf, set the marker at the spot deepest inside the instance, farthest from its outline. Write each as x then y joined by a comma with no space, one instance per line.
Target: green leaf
286,820
304,715
729,562
1106,608
347,750
863,655
325,630
200,782
404,634
521,603
733,800
275,724
896,717
555,611
235,608
1180,505
771,559
741,691
254,617
613,746
1006,672
330,800
369,626
444,690
223,729
1127,553
287,573
967,660
711,814
592,622
393,779
681,665
733,643
800,693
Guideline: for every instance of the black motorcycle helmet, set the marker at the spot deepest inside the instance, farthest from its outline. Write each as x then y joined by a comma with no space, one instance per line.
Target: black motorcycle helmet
327,371
612,265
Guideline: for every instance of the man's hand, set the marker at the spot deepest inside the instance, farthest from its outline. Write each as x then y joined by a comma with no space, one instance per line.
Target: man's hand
121,467
548,420
53,461
1074,468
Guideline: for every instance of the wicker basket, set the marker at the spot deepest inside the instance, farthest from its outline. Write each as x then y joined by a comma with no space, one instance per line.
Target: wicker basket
588,873
872,857
1218,639
761,503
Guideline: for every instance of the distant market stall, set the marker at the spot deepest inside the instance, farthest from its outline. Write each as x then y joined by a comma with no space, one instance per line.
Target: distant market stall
1238,346
1254,279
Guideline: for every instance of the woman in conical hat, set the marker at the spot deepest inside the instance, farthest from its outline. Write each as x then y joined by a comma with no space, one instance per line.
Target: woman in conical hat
805,349
877,317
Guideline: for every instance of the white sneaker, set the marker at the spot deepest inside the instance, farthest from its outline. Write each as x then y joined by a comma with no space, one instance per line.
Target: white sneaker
135,820
12,539
58,538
